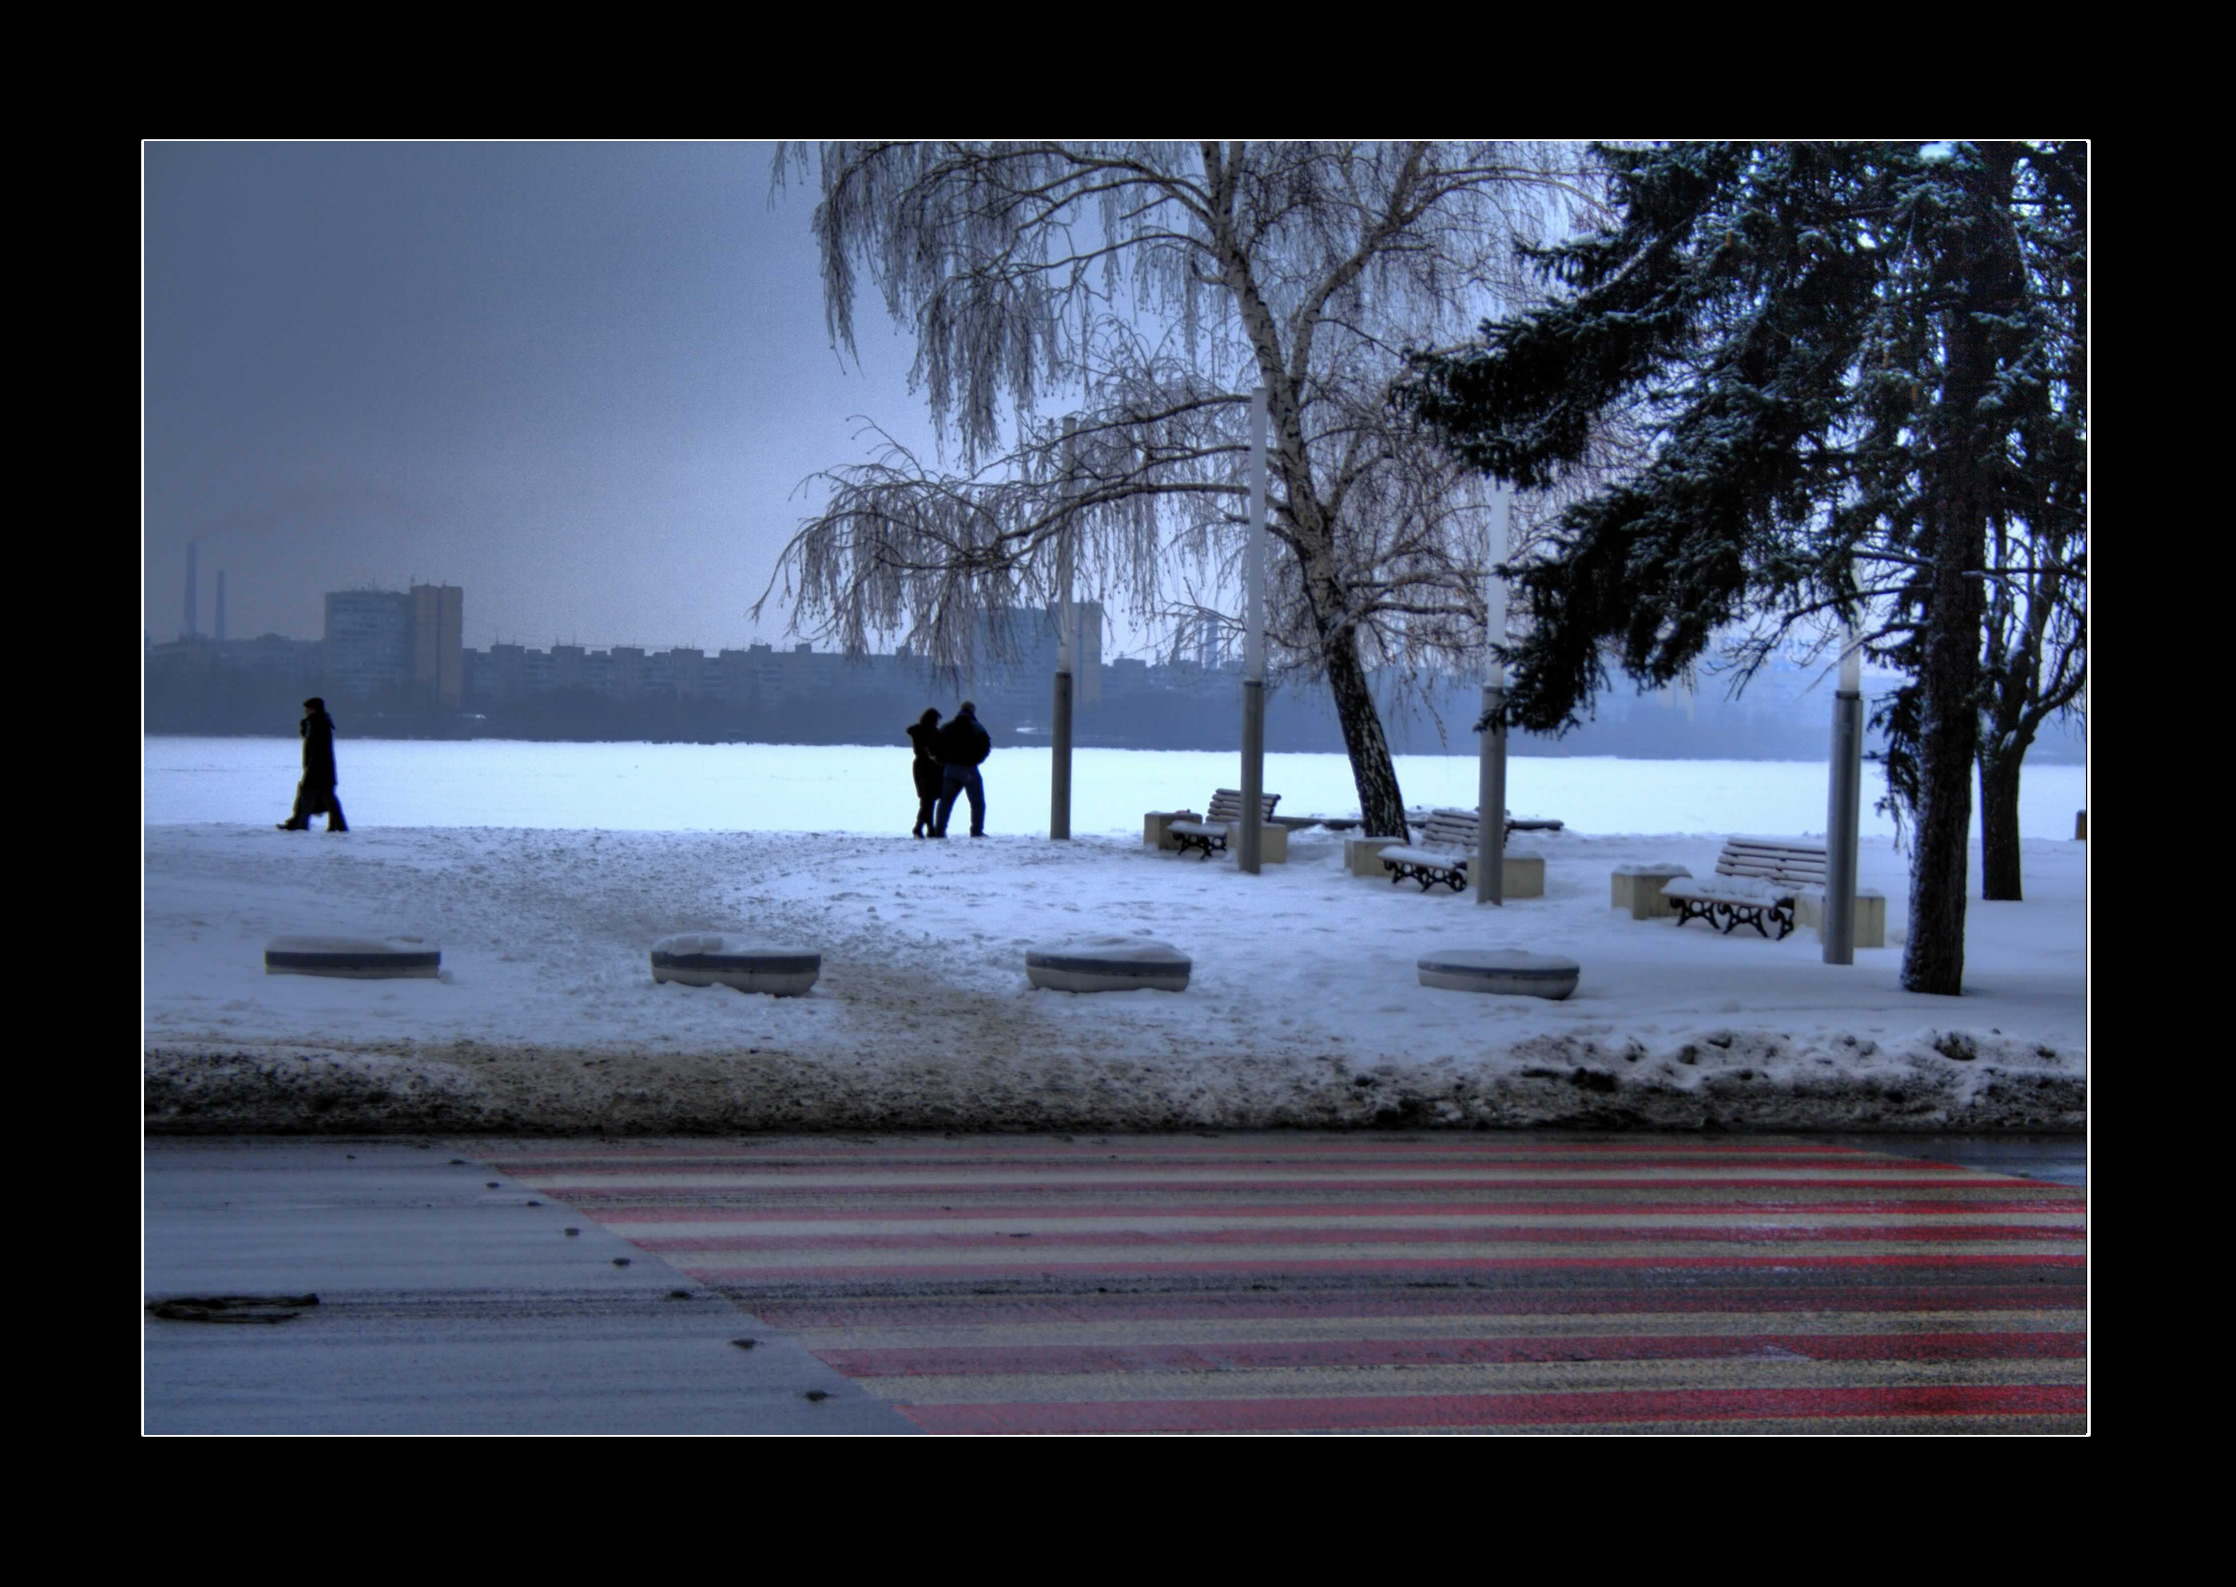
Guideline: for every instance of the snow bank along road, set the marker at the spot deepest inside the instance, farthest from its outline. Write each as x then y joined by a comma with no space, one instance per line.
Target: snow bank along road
1432,1282
1303,1011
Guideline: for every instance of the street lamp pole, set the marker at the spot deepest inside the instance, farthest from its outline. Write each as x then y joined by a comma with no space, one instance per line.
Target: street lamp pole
1490,774
1251,850
1844,807
1059,746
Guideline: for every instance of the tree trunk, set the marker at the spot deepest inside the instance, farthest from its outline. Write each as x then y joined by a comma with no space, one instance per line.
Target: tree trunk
1381,805
1983,273
1999,821
1933,958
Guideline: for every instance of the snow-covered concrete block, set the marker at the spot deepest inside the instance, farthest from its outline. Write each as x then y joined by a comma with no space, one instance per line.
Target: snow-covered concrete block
1363,856
1522,876
1273,842
1108,964
1870,916
354,958
1637,888
1507,971
1156,827
713,958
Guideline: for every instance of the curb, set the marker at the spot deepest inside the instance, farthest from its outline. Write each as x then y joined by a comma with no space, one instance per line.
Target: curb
1743,1081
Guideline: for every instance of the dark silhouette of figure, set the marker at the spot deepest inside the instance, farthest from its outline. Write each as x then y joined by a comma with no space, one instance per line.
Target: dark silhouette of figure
963,747
314,795
924,734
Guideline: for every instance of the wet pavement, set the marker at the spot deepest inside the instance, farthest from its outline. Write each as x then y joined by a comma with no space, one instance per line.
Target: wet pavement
1291,1281
445,1304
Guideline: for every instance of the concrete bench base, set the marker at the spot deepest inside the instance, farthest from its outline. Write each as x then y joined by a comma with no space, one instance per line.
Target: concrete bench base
1637,888
354,958
1507,971
707,958
1108,964
1870,916
1363,856
1523,876
1156,827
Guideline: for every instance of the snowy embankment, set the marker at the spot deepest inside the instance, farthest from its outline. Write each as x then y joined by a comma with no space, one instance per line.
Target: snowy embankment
1304,1009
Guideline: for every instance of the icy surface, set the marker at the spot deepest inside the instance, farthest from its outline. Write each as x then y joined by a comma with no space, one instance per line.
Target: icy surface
841,789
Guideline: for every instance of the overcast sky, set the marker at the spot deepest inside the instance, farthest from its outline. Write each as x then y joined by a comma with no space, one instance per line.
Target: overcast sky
582,381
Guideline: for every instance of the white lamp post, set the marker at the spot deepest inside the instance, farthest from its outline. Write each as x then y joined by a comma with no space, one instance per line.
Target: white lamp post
1490,779
1059,746
1251,849
1843,806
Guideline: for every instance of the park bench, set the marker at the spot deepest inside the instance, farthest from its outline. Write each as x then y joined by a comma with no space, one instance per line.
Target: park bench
1755,883
1211,832
1447,841
1440,853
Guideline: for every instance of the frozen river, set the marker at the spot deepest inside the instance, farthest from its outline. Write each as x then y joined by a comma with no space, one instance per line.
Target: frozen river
849,788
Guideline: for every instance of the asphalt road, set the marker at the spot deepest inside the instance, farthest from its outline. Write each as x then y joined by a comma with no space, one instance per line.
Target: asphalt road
445,1304
1217,1283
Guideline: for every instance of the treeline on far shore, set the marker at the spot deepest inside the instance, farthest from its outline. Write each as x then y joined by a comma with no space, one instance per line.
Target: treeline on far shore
1299,719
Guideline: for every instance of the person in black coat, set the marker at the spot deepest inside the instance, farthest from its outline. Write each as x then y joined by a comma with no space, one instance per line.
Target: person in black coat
314,795
924,734
963,747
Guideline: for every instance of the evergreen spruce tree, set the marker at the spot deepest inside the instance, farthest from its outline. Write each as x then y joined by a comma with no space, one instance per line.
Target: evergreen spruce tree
1859,360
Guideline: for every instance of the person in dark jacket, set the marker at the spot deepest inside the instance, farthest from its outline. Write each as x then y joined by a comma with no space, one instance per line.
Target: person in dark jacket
963,747
924,734
314,795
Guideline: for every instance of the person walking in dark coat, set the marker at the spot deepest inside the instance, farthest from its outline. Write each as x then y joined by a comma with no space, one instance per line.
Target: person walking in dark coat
963,747
314,795
924,734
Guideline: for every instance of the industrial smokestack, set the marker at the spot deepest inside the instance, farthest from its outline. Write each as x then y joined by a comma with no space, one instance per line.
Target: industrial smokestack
192,627
220,634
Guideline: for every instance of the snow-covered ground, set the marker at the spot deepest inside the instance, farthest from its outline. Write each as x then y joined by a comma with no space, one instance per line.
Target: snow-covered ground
1304,1008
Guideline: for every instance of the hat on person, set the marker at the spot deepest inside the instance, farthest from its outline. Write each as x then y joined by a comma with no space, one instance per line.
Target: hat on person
967,709
314,703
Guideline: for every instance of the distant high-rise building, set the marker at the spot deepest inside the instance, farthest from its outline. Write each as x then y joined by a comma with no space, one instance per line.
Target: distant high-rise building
625,680
368,640
438,639
1016,647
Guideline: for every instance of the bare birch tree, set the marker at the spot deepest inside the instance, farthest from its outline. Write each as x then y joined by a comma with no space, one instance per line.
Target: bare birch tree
1146,289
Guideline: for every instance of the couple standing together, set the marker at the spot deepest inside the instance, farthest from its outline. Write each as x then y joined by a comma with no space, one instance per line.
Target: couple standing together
947,762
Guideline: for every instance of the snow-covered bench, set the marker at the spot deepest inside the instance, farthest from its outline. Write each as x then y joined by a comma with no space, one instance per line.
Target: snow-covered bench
1446,842
1439,853
1211,832
1755,883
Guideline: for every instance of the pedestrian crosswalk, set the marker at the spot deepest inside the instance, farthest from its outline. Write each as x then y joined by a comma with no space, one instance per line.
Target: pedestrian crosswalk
1300,1283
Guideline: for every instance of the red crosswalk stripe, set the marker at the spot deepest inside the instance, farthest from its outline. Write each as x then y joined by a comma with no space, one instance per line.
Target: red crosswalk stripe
1332,1283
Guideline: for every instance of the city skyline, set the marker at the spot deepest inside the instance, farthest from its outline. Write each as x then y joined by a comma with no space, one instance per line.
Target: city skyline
586,379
